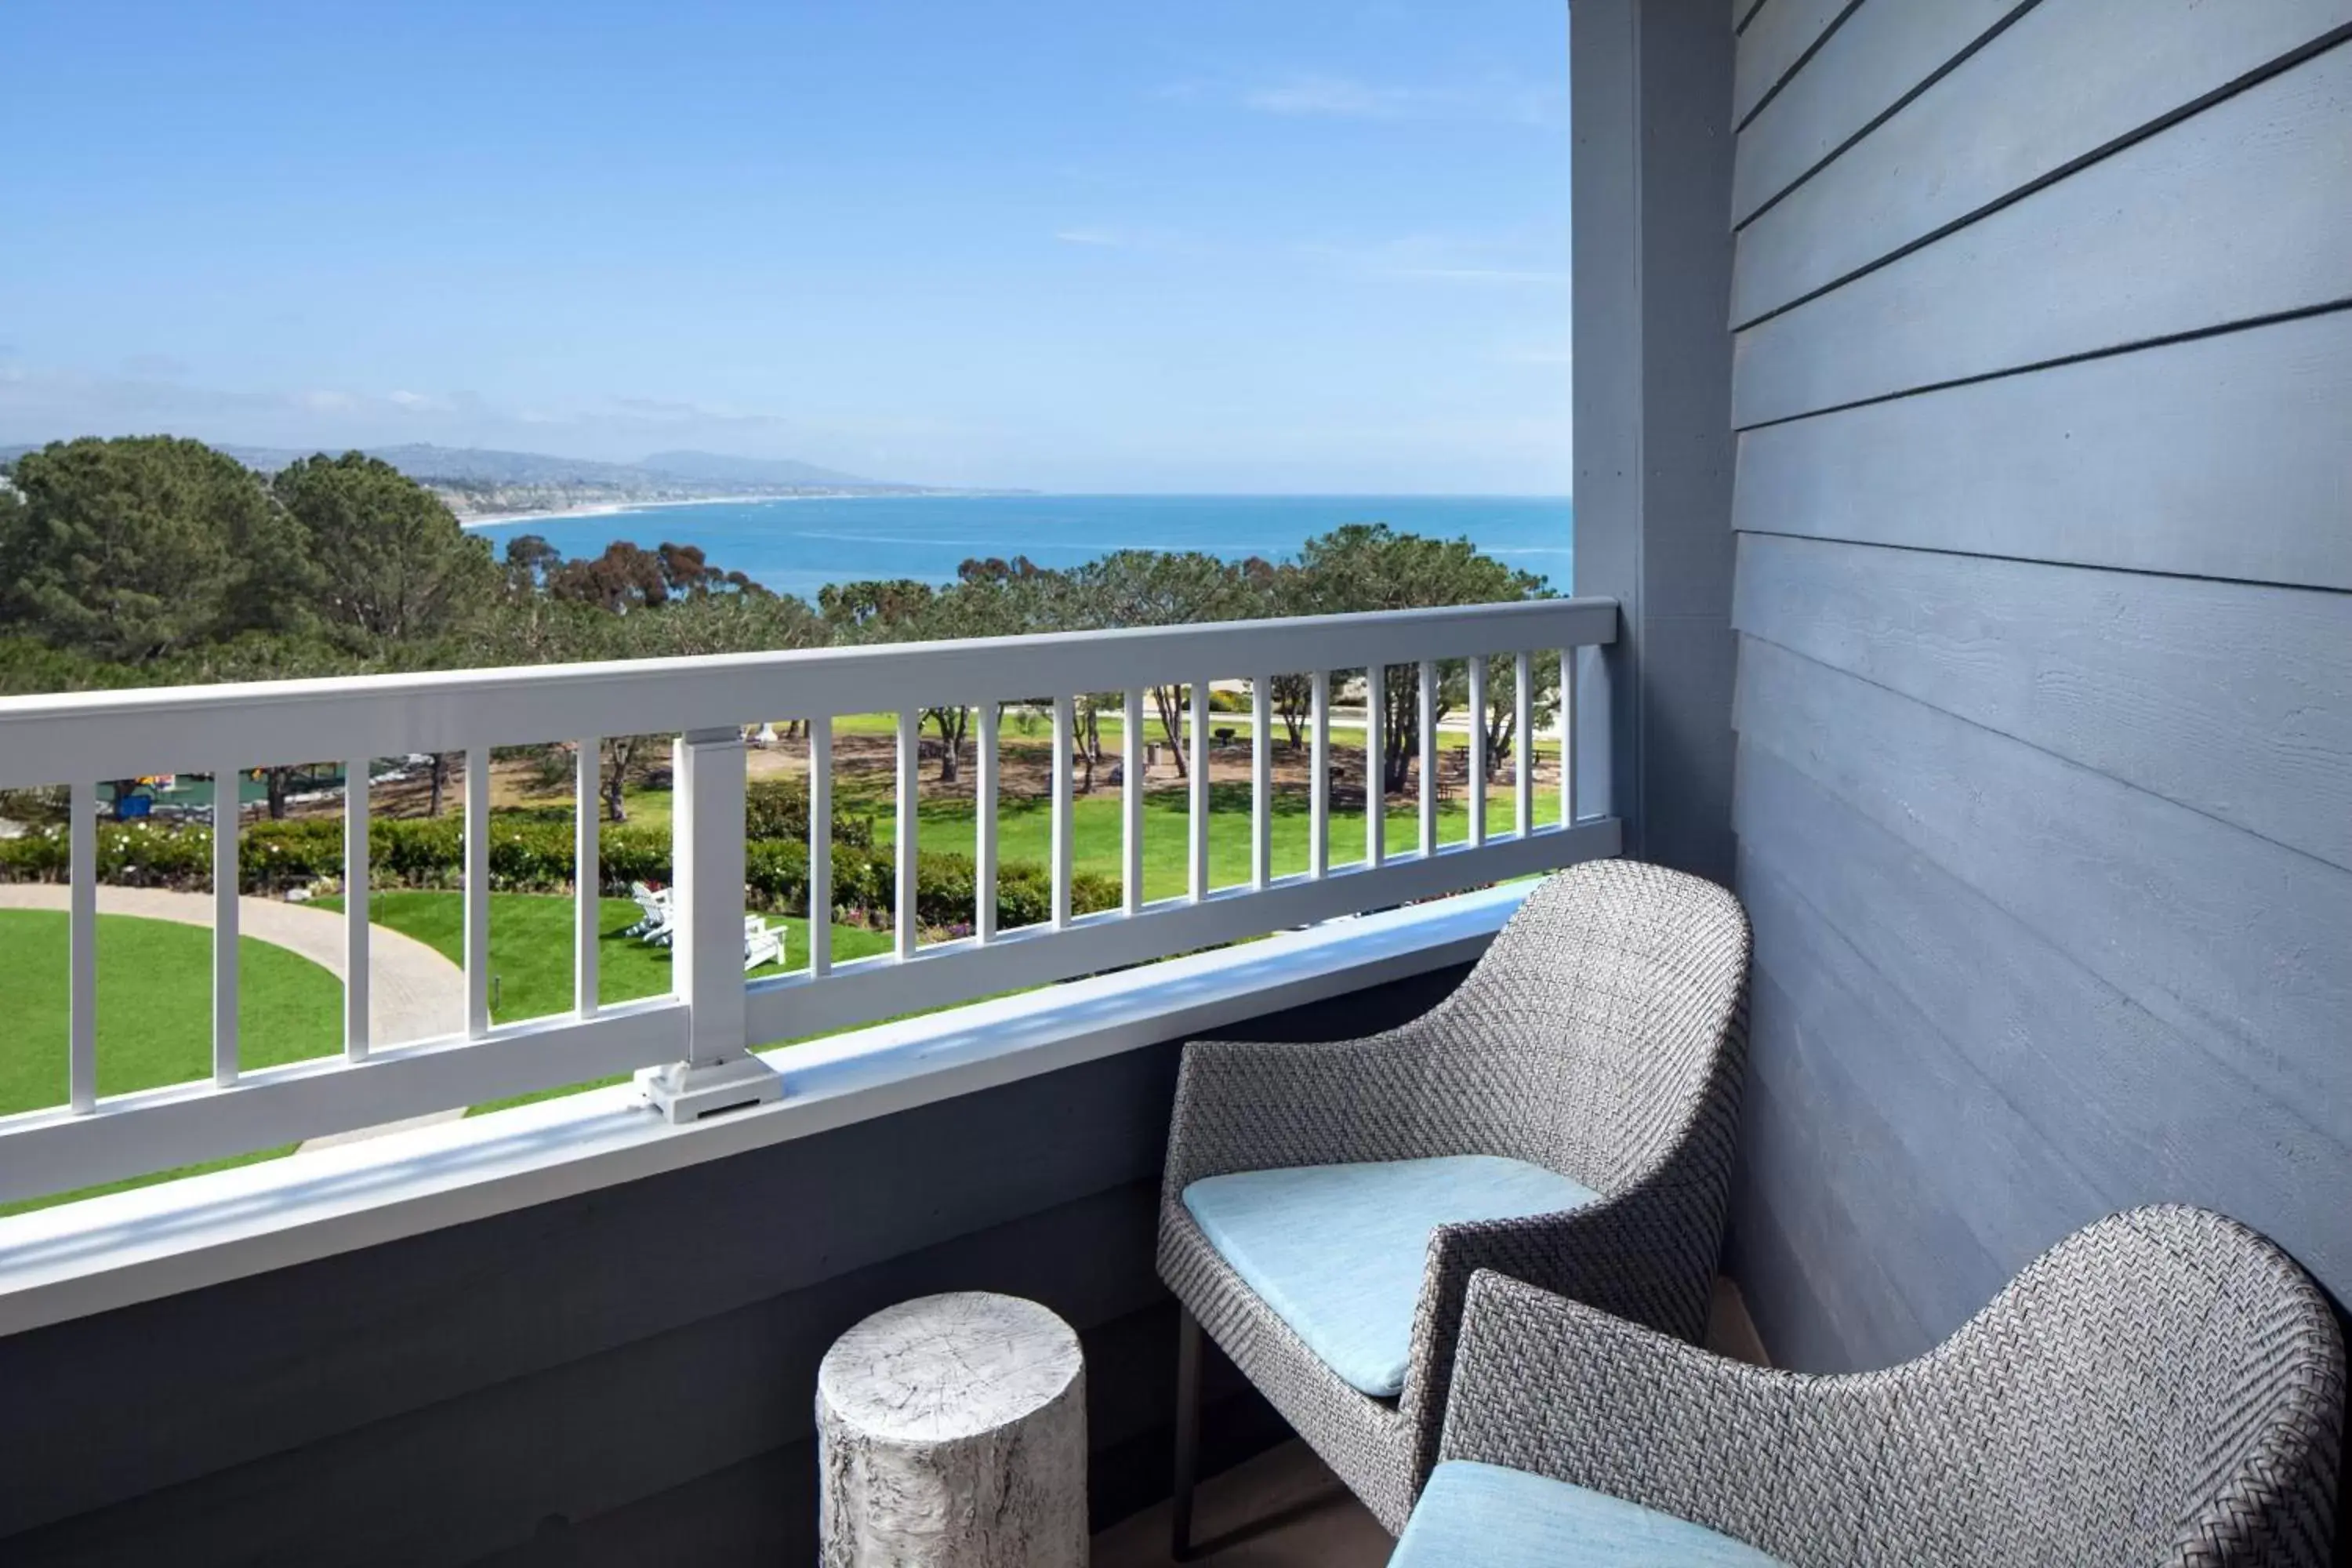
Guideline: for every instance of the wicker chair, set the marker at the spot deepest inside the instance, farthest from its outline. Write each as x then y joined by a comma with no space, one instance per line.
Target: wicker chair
2163,1386
1597,1046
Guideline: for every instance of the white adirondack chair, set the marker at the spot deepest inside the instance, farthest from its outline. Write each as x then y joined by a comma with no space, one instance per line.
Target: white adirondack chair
659,914
762,942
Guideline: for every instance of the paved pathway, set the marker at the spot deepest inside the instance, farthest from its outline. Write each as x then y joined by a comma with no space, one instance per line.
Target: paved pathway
413,993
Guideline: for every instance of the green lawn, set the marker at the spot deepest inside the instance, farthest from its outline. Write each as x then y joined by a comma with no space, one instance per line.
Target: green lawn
530,955
1024,831
154,1016
154,1006
1020,728
530,947
154,994
155,977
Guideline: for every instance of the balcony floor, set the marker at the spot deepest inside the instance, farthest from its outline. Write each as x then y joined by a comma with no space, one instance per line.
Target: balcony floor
1281,1510
1286,1509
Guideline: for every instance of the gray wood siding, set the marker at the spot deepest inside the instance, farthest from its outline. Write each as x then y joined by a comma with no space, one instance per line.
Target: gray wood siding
2044,503
2137,675
1875,62
2236,213
2230,456
1776,40
2083,75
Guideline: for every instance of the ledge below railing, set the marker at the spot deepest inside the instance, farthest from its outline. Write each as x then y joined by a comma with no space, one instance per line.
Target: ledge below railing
68,1262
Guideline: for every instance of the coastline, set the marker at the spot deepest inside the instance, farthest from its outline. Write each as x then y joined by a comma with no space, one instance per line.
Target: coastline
609,508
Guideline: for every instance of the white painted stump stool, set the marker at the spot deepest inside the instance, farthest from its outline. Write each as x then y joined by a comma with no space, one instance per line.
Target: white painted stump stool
951,1430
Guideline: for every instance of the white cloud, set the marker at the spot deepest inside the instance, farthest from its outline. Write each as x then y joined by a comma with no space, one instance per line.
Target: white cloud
1498,260
1338,97
1506,99
1090,236
1502,275
1536,353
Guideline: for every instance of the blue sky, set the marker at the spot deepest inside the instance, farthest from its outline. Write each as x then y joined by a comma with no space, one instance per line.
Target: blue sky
1076,245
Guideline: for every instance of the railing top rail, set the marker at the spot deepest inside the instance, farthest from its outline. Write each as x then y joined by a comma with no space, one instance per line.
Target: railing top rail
61,738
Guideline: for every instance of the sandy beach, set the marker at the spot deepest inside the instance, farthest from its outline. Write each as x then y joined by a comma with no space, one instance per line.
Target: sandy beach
606,508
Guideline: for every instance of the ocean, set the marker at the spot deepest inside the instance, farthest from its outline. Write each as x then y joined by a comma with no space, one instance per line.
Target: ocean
798,546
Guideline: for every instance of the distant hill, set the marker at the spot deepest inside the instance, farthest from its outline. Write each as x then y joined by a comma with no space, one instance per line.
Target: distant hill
477,481
716,468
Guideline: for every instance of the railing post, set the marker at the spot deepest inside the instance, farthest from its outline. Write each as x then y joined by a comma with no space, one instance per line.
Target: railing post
720,1073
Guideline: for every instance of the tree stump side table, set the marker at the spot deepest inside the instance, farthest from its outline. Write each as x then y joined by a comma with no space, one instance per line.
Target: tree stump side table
953,1430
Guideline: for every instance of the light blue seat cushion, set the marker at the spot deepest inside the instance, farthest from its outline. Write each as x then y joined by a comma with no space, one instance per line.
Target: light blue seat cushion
1338,1250
1484,1516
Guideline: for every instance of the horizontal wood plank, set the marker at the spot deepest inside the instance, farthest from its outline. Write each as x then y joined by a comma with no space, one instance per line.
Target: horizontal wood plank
2227,937
1898,1128
2234,214
2224,697
588,1435
1855,1314
2125,1109
375,1334
1773,42
1864,68
2069,77
2223,457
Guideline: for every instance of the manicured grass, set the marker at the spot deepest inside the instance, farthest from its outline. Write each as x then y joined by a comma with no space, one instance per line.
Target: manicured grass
1022,728
1024,831
530,955
154,1006
154,1016
530,947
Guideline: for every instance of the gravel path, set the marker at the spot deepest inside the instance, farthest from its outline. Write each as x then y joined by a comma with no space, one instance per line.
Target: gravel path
413,993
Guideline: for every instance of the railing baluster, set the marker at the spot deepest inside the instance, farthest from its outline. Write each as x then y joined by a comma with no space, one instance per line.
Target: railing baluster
1376,777
1478,748
1568,738
1523,726
1261,779
1318,791
478,891
356,975
718,1073
983,914
587,874
1131,800
911,737
1428,757
700,1033
1065,727
1197,794
819,846
225,879
81,1070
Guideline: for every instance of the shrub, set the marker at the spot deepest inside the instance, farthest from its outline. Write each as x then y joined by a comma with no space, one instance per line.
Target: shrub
534,855
779,808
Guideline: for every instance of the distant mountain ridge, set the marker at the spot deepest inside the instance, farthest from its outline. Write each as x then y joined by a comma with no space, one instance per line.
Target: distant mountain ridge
717,468
421,460
477,481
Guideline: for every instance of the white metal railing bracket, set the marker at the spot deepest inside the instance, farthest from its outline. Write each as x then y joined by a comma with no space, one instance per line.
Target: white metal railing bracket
695,1091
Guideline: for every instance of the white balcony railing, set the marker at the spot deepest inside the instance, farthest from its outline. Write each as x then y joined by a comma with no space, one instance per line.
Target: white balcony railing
692,1047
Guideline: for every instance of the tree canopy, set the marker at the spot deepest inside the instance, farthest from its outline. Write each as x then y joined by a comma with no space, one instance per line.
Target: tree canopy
153,560
389,559
135,549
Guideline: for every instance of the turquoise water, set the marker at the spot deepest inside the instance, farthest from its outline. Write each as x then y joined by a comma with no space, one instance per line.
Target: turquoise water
798,546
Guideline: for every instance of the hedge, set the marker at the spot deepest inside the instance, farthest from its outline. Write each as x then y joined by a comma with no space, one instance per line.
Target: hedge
534,856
